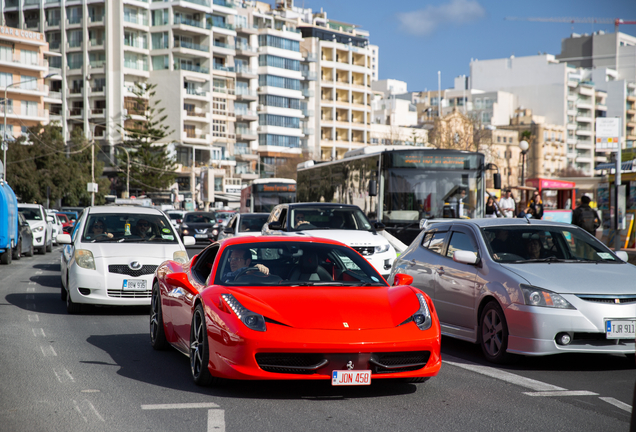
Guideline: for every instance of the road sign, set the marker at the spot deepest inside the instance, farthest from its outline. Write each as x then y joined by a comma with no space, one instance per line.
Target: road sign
607,134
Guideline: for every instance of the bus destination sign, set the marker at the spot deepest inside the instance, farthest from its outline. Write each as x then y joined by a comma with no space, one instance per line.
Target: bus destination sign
276,187
434,161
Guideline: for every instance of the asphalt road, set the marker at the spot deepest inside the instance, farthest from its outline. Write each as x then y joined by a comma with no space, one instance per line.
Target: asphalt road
97,371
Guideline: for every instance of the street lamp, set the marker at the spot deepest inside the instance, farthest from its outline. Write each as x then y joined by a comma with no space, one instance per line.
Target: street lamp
4,131
524,146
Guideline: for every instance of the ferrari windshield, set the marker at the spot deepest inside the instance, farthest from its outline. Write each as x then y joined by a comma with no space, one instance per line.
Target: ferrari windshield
343,218
528,244
294,264
132,227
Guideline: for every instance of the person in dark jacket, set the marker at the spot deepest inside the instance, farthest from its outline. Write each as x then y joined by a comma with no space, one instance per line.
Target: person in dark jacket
585,216
536,204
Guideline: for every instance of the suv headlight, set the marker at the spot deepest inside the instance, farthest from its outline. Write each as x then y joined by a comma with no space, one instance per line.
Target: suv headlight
38,229
422,318
84,259
180,257
534,296
382,248
251,319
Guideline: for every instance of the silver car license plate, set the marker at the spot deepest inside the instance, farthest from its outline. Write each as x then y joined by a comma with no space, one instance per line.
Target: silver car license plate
620,329
134,285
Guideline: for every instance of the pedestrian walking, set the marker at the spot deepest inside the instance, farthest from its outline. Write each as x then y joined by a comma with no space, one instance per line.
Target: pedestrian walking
492,210
585,216
507,204
536,204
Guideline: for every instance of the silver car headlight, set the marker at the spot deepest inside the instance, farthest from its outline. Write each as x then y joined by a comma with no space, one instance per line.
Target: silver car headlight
423,316
534,296
382,248
251,319
84,259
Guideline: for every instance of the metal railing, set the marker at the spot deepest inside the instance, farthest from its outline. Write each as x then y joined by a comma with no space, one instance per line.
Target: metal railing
223,68
191,68
190,45
181,20
224,3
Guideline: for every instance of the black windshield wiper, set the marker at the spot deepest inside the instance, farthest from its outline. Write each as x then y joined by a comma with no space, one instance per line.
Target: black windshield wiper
315,283
547,259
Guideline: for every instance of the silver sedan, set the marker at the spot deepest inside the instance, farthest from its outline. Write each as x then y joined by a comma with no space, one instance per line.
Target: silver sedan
524,287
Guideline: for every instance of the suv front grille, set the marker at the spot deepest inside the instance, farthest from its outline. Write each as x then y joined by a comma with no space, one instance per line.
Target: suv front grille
364,250
125,270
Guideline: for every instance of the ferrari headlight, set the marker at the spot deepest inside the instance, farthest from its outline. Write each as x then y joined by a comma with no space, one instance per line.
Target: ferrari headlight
423,316
84,259
180,256
534,296
252,320
382,248
38,229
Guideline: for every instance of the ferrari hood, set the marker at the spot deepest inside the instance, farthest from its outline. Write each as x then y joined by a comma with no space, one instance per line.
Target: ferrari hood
332,308
137,251
578,278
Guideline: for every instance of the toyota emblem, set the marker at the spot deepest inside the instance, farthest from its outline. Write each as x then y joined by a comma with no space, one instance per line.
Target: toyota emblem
135,265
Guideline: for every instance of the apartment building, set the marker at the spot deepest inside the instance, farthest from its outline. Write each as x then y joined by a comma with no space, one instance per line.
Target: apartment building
557,91
25,79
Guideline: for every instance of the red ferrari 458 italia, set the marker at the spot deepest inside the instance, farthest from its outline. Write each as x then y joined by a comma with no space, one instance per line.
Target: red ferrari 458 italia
281,308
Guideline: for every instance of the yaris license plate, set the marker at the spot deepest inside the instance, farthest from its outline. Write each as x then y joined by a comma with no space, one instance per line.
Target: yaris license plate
351,377
134,285
620,329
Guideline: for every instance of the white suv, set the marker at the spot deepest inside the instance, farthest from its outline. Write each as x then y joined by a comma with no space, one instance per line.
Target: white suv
40,226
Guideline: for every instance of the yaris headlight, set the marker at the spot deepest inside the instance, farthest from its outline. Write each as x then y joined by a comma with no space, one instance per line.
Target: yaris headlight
180,257
534,296
251,319
84,259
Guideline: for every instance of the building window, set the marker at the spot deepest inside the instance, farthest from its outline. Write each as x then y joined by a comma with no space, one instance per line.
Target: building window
277,81
277,120
279,140
279,42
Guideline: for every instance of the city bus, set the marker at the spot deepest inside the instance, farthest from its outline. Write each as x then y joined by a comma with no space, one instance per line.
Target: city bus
264,194
399,186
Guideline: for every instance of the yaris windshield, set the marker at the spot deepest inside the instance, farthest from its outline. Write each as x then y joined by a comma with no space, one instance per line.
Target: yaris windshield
531,244
126,228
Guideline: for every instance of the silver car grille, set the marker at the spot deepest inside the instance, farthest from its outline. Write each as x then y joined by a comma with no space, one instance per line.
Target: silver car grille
609,299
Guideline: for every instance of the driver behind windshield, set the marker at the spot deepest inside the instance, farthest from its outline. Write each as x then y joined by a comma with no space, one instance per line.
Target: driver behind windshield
98,229
300,222
240,260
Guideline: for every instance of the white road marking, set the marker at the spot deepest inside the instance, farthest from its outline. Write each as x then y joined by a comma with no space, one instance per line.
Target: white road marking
30,296
30,306
30,289
506,376
216,420
63,375
180,406
37,332
562,393
617,403
31,283
89,391
77,408
48,351
38,272
34,318
90,405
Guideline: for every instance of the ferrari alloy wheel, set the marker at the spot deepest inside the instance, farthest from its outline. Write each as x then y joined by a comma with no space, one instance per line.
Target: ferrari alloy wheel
157,334
493,332
71,307
199,351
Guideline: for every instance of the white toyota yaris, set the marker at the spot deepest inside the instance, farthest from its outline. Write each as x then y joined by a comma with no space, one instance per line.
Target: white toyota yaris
111,257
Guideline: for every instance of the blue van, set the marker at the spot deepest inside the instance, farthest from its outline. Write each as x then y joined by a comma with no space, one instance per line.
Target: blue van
8,222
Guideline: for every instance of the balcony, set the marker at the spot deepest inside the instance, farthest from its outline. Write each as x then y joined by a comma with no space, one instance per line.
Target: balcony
200,2
222,25
246,134
224,3
196,116
223,90
248,95
247,115
192,23
191,68
223,68
245,72
141,20
247,28
98,112
309,75
202,138
311,57
76,112
197,92
189,45
96,20
245,49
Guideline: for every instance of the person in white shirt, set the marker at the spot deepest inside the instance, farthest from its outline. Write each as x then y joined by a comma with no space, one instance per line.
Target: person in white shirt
507,204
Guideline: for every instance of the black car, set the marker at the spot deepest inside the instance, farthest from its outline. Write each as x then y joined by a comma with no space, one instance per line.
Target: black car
25,239
200,225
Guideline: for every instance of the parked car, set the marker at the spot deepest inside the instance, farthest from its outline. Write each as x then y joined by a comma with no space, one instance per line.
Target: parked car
67,225
25,242
244,224
9,230
308,318
40,226
56,224
223,217
113,254
73,216
176,217
341,222
201,225
529,287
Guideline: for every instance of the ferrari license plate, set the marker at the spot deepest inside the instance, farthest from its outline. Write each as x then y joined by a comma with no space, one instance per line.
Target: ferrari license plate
620,329
201,236
351,377
134,285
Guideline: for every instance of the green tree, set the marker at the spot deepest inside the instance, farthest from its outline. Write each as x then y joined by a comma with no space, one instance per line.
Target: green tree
151,166
49,164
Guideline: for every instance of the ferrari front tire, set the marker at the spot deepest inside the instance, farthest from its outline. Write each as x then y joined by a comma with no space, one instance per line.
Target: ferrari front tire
199,350
157,332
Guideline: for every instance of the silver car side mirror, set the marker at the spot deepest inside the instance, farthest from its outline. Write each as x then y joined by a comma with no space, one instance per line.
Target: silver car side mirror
622,255
465,257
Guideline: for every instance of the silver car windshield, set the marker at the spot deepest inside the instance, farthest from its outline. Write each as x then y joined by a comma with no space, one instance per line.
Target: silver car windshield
531,244
312,218
129,228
